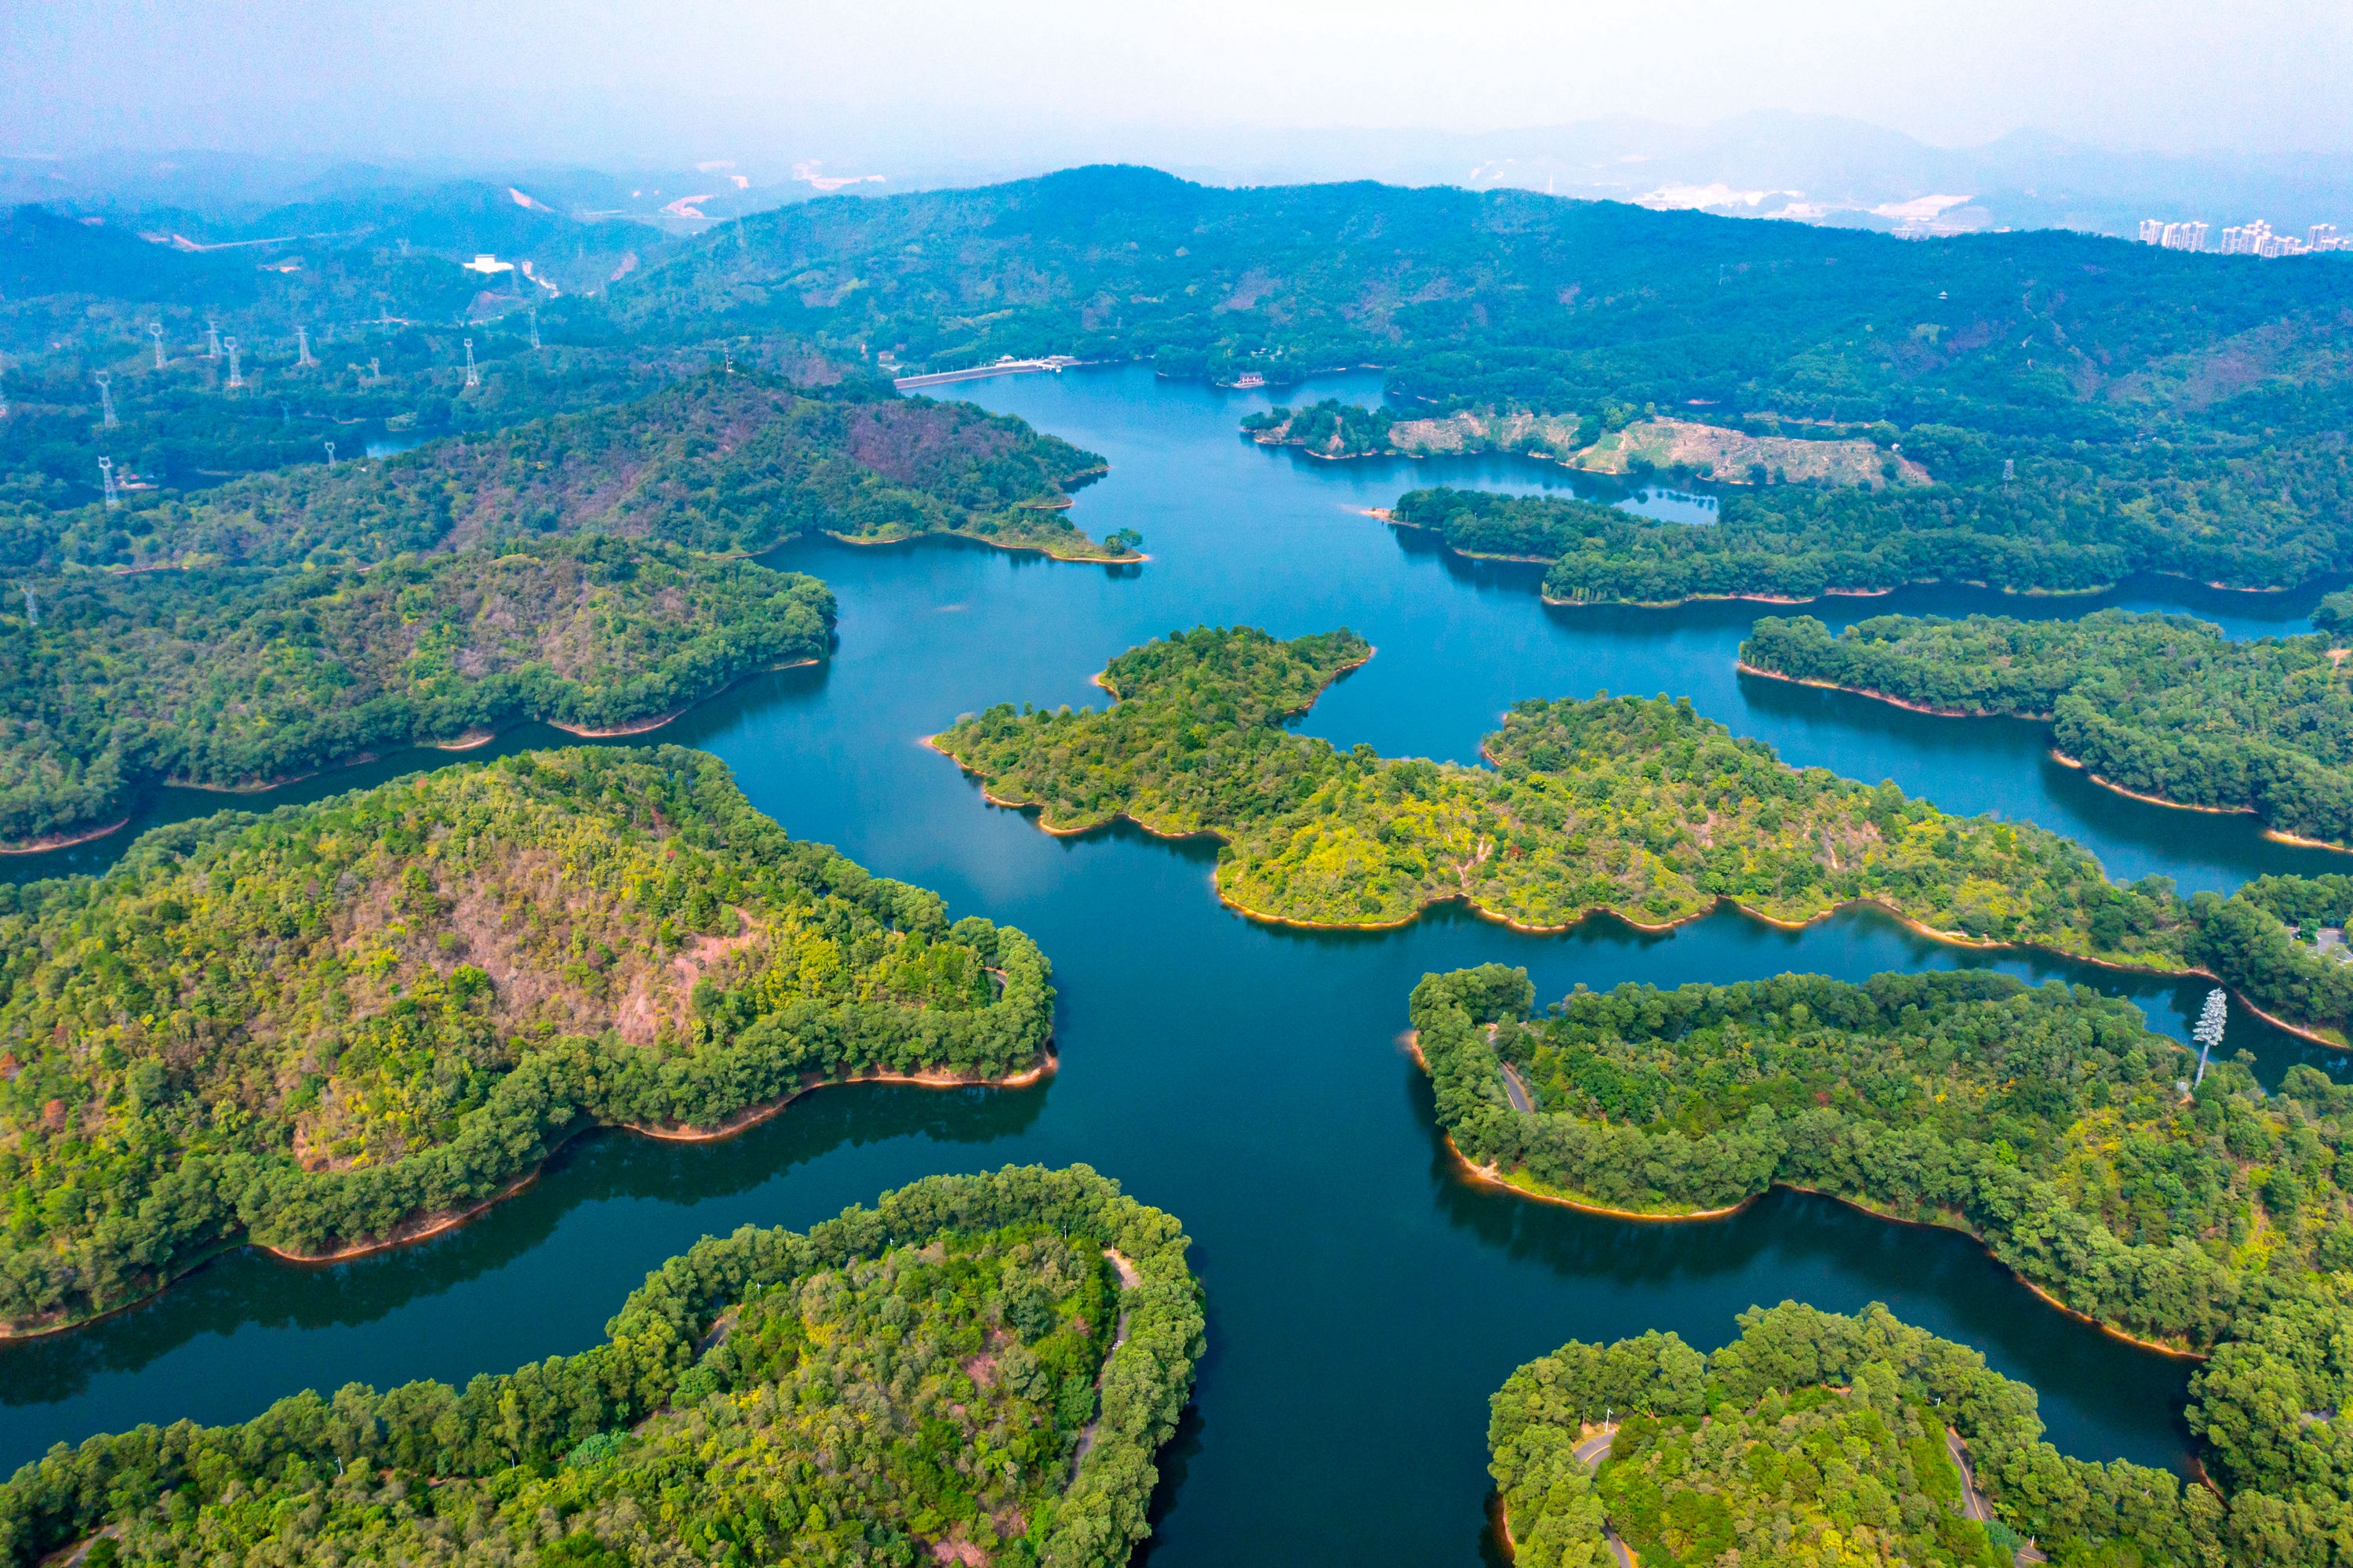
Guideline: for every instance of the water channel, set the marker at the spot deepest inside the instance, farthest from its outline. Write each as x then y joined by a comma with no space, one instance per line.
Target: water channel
1364,1299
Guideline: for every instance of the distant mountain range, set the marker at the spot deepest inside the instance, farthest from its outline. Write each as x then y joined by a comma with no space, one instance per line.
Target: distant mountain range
1814,168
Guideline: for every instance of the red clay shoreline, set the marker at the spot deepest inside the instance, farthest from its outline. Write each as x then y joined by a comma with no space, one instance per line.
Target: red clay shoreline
423,1227
49,842
470,741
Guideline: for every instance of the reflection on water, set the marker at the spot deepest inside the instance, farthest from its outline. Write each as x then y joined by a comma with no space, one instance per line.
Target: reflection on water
1364,1299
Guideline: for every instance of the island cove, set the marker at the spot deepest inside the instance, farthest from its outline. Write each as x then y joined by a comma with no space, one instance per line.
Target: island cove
2180,1207
582,571
344,1025
1640,808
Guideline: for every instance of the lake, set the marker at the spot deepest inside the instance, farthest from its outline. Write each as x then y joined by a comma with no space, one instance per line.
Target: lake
1364,1299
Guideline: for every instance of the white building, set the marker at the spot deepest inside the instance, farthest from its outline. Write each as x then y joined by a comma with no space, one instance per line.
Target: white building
487,265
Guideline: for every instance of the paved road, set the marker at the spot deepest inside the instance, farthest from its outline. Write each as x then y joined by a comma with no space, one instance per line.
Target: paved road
1590,1453
1516,1092
1973,1503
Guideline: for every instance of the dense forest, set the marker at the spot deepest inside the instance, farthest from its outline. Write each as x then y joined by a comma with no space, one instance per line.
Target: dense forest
560,569
1511,296
2084,1150
1637,807
2159,704
1815,1438
903,1384
2087,408
2052,1123
227,676
308,1029
723,463
2068,523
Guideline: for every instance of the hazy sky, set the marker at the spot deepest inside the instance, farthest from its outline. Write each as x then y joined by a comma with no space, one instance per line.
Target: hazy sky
601,80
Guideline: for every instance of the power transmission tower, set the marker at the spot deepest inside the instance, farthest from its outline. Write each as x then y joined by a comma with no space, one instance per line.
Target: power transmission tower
302,360
106,472
212,331
155,331
375,370
534,326
474,377
330,454
106,398
2208,1030
236,378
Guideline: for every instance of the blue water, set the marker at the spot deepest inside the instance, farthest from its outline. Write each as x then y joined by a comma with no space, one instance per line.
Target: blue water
1364,1298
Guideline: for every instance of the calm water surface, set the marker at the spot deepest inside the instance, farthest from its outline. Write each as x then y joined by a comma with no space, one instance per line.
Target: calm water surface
1364,1300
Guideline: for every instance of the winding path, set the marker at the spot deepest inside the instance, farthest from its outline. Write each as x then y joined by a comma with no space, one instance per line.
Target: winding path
1517,1092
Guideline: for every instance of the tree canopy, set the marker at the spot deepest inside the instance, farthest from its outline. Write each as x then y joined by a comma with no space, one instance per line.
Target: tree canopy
976,1368
236,676
1818,1438
2159,704
318,1027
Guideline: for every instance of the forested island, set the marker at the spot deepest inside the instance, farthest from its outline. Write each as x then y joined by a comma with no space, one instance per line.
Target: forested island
2158,705
236,676
1640,808
340,1024
909,1381
2085,1151
1815,1438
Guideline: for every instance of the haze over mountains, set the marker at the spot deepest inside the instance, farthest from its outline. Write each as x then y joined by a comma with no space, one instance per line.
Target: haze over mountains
1808,167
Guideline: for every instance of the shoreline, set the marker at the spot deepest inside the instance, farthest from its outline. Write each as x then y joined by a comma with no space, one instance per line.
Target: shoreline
469,740
424,1227
2277,835
2063,760
1051,554
49,842
647,726
1489,1175
1744,667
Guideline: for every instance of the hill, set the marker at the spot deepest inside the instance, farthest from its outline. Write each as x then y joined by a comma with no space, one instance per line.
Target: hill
335,1025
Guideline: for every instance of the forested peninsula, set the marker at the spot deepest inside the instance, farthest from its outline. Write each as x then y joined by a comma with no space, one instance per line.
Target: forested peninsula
2160,706
242,676
2084,1150
722,464
2058,528
1636,806
343,1025
1815,1438
978,1368
571,569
